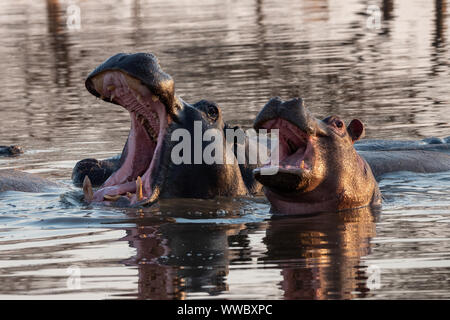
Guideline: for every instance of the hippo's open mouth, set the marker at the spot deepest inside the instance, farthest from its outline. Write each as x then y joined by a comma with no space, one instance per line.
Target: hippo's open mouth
132,182
296,156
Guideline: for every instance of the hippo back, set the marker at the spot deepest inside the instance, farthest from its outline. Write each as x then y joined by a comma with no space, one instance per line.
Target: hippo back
14,180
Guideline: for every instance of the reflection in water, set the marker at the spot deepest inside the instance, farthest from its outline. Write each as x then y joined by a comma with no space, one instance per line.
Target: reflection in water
58,43
175,259
320,256
440,12
387,7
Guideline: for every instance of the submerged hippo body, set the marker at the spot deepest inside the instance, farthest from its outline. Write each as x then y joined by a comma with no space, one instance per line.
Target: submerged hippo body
145,171
320,170
14,180
428,144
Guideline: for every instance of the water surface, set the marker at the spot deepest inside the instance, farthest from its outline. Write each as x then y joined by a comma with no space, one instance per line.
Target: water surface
239,54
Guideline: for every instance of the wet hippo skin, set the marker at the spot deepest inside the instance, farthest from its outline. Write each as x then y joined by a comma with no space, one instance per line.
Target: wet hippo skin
144,171
428,144
420,161
319,168
15,180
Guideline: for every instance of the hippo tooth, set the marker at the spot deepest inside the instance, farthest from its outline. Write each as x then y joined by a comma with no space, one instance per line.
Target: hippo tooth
107,197
155,98
139,194
111,87
139,98
87,189
302,164
129,195
112,97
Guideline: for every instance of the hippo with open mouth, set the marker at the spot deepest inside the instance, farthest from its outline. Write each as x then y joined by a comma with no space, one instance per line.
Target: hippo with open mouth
320,170
145,171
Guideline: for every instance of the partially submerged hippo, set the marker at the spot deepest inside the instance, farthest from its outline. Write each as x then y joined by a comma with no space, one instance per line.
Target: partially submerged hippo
145,171
428,144
15,180
319,168
9,151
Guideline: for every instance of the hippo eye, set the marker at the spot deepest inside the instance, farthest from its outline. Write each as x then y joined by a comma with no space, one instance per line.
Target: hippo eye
213,112
339,124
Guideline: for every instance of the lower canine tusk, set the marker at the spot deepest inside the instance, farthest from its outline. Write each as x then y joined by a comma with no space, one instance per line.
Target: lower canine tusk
139,194
87,189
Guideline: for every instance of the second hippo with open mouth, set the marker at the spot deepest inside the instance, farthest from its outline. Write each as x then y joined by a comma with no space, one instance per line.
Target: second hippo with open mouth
319,168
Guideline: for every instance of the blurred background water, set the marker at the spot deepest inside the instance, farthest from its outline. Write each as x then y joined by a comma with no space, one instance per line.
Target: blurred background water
393,75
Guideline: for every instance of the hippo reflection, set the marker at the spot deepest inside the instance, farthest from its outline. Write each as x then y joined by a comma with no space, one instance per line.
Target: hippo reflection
318,257
174,259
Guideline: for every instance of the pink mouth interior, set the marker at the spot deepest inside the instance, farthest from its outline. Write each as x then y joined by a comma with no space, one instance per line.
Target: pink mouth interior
295,145
148,126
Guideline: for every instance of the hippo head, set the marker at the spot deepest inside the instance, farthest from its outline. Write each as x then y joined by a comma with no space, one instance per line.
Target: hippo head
319,169
137,83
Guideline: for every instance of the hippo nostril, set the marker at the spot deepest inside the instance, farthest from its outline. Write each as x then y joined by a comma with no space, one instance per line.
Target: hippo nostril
321,129
213,112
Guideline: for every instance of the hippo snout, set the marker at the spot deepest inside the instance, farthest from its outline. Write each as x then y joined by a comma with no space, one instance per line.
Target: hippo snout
294,111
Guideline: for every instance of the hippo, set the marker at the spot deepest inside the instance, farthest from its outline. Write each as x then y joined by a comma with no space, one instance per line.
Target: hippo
145,172
319,168
15,180
427,144
10,151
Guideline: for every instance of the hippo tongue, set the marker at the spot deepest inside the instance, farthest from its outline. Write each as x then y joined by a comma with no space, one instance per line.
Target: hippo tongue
140,151
297,160
295,147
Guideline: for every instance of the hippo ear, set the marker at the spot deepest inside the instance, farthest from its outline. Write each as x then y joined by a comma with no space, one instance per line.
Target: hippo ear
356,130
